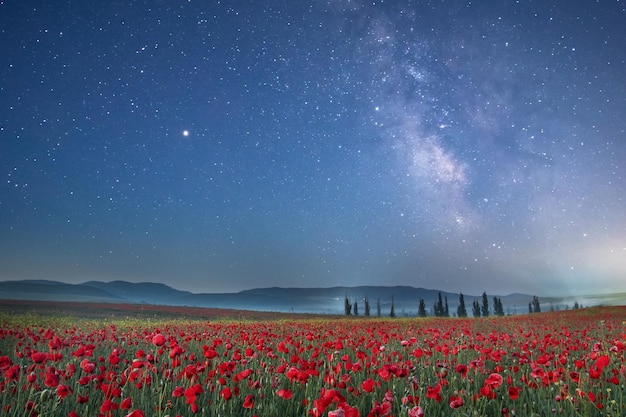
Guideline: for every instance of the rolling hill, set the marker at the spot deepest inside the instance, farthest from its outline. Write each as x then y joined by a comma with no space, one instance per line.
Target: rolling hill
298,300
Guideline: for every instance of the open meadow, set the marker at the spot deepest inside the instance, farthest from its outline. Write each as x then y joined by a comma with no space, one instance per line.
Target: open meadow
55,363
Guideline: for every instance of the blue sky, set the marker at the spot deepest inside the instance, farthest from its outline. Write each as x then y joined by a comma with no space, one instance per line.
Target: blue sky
220,146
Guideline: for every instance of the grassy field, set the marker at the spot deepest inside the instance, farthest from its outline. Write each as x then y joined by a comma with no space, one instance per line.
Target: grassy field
71,359
141,311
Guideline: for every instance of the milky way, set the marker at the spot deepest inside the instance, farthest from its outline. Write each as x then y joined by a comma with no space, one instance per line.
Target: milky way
218,146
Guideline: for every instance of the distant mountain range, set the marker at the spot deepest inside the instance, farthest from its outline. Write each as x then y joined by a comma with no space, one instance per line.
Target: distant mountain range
298,300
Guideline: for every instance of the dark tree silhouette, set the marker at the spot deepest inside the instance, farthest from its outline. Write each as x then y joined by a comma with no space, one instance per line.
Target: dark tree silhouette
421,311
367,307
347,306
484,310
460,310
356,308
392,313
439,307
378,307
476,309
498,310
446,310
534,307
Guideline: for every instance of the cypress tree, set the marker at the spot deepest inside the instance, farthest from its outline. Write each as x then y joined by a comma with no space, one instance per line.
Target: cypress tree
476,309
535,305
347,306
460,310
484,311
439,307
421,312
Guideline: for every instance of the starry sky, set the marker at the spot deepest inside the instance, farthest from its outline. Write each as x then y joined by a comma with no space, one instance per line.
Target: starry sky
217,146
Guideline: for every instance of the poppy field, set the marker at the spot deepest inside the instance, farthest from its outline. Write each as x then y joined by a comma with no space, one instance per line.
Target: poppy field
569,363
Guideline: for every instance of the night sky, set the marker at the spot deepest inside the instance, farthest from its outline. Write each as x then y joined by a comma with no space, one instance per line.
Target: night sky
217,146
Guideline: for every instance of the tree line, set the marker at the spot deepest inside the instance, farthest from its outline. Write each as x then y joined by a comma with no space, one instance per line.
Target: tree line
440,307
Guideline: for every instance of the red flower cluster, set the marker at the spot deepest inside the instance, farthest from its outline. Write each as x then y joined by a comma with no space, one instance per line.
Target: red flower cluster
320,368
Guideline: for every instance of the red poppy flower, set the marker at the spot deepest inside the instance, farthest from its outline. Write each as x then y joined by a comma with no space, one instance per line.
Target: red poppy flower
209,353
595,370
55,343
87,367
327,397
285,394
380,410
494,380
192,392
108,405
514,392
30,405
416,411
486,391
243,375
349,411
292,373
455,402
249,401
52,380
337,413
368,385
126,403
434,393
63,391
226,393
344,410
410,400
158,339
462,369
175,351
39,357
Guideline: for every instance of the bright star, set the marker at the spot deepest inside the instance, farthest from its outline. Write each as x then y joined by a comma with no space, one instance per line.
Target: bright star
185,133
